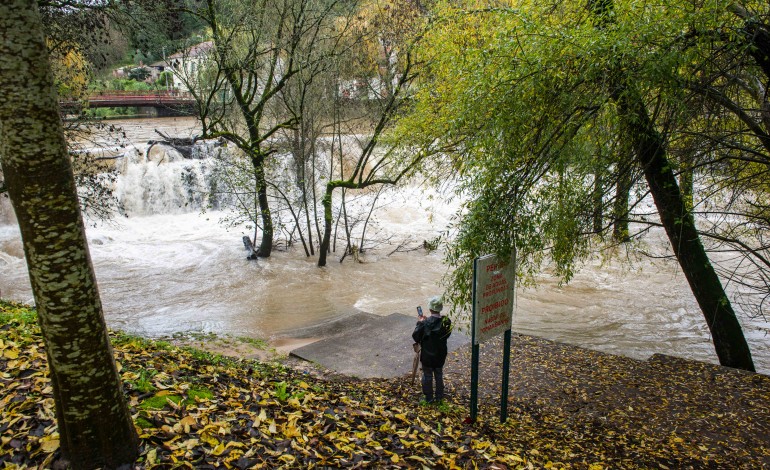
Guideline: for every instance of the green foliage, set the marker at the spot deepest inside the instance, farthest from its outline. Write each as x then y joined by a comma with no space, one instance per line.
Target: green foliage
161,399
138,74
199,394
159,402
280,391
120,84
143,423
165,79
111,112
144,382
519,102
18,313
256,342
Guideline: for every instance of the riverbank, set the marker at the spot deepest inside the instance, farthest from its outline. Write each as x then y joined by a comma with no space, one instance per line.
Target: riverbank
717,416
569,408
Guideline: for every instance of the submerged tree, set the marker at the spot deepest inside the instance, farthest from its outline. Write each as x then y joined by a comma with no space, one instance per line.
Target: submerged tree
95,426
273,83
565,119
379,57
256,50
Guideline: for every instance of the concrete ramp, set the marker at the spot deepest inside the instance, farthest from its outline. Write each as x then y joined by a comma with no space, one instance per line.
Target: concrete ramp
369,346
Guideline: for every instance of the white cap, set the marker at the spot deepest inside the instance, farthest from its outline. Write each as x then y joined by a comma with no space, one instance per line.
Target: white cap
435,303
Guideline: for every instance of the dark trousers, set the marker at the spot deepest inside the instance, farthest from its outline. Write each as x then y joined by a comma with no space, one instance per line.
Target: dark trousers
428,375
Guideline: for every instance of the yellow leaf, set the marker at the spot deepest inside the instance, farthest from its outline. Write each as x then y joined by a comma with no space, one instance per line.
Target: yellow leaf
394,458
152,456
218,449
436,450
50,445
11,353
418,458
304,385
294,402
187,421
262,417
209,439
189,444
290,431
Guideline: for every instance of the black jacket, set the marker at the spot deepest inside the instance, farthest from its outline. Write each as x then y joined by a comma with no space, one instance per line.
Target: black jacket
432,334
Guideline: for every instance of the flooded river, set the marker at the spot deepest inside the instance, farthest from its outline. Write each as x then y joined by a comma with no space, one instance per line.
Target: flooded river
168,269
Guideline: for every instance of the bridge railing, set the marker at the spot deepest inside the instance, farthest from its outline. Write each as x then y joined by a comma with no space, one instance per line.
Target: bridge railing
153,94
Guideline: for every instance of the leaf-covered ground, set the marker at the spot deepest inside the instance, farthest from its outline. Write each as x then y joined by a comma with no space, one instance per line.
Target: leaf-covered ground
198,410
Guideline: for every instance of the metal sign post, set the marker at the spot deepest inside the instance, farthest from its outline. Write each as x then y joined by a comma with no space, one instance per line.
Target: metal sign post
493,298
474,353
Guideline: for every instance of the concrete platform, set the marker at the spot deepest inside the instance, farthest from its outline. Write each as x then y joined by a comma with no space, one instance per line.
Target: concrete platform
369,346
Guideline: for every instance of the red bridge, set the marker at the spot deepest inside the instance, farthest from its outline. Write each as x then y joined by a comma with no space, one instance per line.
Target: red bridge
156,99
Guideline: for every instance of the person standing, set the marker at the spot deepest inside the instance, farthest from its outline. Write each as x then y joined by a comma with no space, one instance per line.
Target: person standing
432,333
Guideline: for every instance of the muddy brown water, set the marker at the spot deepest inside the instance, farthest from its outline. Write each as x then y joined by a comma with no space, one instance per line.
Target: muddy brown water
182,271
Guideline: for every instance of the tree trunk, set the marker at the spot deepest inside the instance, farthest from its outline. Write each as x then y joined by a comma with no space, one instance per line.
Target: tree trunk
726,332
369,216
266,245
620,231
94,424
686,184
324,248
598,202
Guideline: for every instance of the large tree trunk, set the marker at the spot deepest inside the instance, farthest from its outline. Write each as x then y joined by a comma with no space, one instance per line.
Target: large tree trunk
95,426
726,332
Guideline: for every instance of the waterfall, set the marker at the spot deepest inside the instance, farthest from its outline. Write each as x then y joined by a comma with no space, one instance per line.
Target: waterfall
159,180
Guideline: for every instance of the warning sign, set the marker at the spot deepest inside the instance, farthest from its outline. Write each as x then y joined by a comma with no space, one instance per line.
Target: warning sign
493,298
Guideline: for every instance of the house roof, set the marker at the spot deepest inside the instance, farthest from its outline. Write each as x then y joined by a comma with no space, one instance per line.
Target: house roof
197,50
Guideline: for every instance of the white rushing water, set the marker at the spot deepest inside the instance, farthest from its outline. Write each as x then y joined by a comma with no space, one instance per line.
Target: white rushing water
168,268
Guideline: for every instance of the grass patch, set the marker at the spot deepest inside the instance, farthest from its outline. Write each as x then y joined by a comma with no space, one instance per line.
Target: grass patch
17,312
205,356
195,335
143,423
160,402
199,394
144,382
256,342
